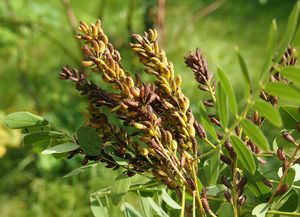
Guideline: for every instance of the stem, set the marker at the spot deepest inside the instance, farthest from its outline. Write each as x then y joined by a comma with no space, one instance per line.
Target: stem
234,189
197,191
194,203
283,213
182,201
290,162
229,131
210,89
209,143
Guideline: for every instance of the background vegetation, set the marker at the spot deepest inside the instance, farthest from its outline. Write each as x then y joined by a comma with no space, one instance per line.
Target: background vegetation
37,39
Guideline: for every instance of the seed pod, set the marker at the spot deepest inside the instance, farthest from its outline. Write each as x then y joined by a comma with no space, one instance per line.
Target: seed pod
242,183
242,200
87,63
191,130
144,152
205,204
130,173
267,182
191,183
225,159
209,103
139,126
215,121
282,189
173,145
288,137
281,154
227,196
226,182
85,160
200,130
298,126
135,91
229,148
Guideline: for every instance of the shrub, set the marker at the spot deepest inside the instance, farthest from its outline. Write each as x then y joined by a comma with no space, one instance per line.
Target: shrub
220,165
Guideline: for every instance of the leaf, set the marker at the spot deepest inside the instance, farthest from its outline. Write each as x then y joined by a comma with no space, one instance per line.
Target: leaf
119,188
289,31
244,69
89,140
62,148
130,211
146,207
19,120
214,168
291,73
271,48
290,116
288,202
225,210
244,155
206,122
269,112
159,211
224,80
261,210
97,208
222,106
284,91
255,134
169,201
80,170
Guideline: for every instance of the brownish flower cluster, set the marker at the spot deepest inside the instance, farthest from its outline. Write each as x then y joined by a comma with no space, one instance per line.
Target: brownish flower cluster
161,125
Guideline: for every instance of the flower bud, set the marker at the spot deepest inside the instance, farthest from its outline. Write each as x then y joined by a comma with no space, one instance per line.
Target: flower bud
282,189
227,196
225,159
281,154
242,200
288,137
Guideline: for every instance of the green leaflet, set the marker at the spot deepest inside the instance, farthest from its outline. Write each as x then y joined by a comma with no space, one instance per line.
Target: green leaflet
222,106
119,188
291,73
284,91
89,140
225,83
61,148
255,134
289,31
261,210
271,48
244,155
19,120
206,122
268,111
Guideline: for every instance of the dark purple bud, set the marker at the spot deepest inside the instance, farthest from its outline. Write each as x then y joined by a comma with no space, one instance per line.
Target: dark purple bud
200,130
281,154
242,200
227,196
288,137
242,183
225,159
282,189
226,182
267,183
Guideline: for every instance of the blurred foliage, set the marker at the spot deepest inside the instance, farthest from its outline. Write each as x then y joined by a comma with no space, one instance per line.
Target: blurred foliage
36,40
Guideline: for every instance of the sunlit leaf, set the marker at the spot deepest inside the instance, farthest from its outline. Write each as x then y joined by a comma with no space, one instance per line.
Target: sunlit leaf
255,134
222,105
206,122
156,208
271,47
61,148
19,120
284,91
130,211
291,73
244,155
245,74
98,209
261,210
289,31
269,112
169,200
119,188
225,83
